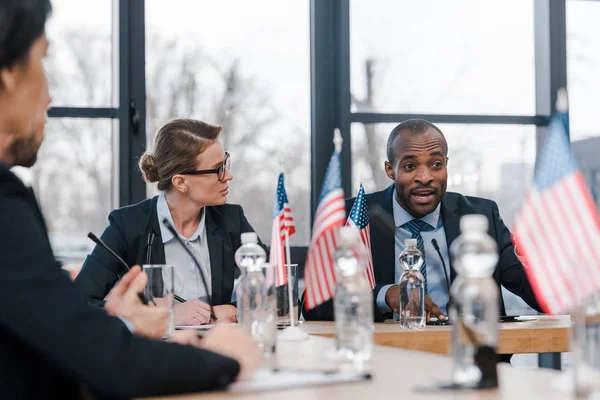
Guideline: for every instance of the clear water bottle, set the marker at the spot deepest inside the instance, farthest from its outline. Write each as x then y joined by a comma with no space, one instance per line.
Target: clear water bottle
353,299
474,306
412,287
255,293
585,347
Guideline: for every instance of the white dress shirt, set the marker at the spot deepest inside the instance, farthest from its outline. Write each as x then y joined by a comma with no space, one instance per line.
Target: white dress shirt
436,278
188,282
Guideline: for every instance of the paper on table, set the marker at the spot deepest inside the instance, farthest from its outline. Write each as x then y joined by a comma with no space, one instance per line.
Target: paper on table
195,327
269,380
199,327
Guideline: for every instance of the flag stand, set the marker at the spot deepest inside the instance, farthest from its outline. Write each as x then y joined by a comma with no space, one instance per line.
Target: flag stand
292,332
288,265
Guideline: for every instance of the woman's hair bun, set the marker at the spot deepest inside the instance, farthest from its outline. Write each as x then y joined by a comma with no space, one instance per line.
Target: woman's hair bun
148,168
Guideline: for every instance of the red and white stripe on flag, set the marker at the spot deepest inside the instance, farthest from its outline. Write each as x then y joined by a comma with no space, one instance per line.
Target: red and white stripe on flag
286,221
558,231
365,237
319,269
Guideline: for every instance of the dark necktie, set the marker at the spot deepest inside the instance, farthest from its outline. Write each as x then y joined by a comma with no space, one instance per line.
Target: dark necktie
415,227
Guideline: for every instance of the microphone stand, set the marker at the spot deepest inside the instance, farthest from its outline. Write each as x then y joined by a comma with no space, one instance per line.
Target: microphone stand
101,243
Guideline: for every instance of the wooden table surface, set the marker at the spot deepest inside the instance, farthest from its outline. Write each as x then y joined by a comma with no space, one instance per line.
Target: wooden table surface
397,374
547,334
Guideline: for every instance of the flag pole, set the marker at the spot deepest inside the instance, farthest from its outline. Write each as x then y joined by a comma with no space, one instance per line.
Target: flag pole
288,262
292,332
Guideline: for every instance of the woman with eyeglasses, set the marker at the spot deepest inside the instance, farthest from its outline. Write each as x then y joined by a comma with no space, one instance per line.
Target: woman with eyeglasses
192,170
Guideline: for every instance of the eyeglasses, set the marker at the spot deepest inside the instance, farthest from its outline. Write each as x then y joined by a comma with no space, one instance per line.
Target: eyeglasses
220,170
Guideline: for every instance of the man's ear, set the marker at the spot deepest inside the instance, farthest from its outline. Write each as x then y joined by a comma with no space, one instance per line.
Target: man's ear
447,159
389,170
8,78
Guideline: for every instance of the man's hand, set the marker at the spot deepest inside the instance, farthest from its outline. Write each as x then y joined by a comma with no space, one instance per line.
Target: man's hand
432,309
192,312
225,313
123,301
392,298
231,341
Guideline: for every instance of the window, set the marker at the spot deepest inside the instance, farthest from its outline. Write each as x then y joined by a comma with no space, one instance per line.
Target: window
443,57
246,67
583,64
73,181
80,62
491,161
75,175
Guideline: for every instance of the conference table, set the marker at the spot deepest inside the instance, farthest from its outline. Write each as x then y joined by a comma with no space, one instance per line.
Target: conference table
545,334
396,373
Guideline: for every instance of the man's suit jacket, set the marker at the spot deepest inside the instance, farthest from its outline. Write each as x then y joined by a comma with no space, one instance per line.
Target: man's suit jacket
508,273
51,340
127,235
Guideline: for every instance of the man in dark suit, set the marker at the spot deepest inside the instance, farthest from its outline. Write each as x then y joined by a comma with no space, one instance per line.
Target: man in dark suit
419,207
51,341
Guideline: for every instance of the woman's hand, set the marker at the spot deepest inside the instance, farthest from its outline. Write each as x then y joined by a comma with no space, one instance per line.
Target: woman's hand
192,312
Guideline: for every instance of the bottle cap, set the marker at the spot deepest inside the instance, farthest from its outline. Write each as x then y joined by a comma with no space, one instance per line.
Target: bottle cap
249,237
473,222
348,235
410,243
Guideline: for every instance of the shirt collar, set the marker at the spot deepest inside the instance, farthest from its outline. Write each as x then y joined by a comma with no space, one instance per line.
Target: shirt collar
162,211
401,216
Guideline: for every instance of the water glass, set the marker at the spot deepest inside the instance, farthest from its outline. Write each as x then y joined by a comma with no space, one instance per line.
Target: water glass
159,291
585,347
283,298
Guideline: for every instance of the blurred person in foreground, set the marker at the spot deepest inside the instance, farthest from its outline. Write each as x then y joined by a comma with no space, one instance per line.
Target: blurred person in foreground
52,345
192,170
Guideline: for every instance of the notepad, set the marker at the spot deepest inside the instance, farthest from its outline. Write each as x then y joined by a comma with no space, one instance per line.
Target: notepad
265,380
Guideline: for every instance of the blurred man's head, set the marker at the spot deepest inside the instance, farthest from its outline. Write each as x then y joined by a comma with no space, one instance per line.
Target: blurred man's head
23,84
417,157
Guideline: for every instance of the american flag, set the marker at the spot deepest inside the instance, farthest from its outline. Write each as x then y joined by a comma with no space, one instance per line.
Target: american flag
319,271
558,229
282,221
359,218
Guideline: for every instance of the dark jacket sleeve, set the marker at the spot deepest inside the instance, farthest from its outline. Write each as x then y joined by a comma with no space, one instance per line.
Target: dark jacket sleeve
510,272
325,311
39,305
101,270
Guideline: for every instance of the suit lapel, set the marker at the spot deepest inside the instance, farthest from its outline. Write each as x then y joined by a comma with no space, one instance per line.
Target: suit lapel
383,243
214,237
451,219
158,249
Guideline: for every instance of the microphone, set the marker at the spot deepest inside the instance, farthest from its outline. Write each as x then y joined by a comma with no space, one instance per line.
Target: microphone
101,243
171,229
435,245
149,247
